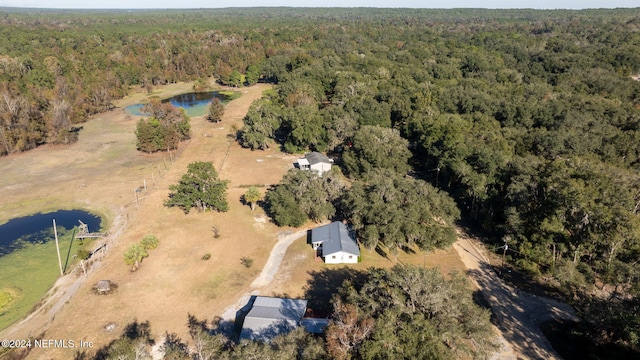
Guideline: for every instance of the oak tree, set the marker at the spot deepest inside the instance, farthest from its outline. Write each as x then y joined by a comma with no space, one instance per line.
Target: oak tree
201,188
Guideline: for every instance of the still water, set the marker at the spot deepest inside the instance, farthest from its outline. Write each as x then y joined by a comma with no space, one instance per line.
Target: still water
38,228
194,103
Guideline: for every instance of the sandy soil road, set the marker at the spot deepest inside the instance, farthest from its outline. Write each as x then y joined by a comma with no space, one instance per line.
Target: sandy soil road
518,314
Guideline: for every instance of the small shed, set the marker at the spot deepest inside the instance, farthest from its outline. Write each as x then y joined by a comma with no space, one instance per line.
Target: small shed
103,286
335,243
270,316
315,161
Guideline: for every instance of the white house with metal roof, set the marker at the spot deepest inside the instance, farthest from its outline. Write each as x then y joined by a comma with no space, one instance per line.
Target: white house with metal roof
271,316
335,243
315,161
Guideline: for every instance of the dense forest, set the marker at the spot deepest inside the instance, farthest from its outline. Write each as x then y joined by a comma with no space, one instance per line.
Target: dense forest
529,120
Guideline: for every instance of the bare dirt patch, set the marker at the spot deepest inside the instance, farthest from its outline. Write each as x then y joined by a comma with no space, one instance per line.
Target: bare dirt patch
300,265
517,314
100,173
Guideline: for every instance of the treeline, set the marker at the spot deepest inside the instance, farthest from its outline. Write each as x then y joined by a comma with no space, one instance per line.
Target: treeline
58,68
532,126
378,314
529,119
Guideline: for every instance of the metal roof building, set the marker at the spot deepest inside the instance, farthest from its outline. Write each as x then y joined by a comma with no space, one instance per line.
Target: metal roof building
271,316
315,161
336,243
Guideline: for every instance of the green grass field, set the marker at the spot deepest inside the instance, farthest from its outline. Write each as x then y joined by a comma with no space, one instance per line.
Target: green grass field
27,274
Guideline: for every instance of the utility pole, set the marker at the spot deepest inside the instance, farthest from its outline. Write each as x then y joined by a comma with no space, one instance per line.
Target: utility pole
55,232
504,250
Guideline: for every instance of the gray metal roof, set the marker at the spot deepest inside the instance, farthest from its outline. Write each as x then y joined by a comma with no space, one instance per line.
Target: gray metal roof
272,316
316,157
335,237
314,325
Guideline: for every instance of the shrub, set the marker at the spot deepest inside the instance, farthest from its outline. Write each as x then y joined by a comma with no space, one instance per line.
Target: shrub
216,231
83,254
247,262
206,256
150,242
134,255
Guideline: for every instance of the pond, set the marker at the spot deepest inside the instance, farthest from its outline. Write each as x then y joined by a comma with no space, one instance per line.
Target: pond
194,103
29,260
38,228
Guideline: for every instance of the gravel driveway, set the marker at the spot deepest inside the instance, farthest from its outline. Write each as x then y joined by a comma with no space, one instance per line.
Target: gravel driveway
518,314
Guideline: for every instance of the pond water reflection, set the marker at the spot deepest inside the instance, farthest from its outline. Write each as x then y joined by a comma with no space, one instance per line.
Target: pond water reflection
194,103
38,228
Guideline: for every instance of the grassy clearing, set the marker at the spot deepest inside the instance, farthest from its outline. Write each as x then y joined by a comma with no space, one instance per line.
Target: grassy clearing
174,281
8,296
299,265
211,288
230,94
28,274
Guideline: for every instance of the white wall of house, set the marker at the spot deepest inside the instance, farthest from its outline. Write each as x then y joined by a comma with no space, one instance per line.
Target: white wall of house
341,257
303,164
321,168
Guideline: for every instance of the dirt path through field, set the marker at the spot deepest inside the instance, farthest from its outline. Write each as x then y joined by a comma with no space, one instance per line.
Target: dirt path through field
100,173
270,269
518,314
275,258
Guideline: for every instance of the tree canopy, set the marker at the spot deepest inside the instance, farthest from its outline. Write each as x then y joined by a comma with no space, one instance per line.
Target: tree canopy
165,127
303,195
216,110
409,312
529,120
375,147
199,188
397,212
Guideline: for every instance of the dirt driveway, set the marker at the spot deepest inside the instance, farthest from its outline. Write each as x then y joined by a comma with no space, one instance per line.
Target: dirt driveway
100,173
518,314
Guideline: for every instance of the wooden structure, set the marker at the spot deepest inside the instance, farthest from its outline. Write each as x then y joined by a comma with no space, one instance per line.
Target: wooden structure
103,286
83,232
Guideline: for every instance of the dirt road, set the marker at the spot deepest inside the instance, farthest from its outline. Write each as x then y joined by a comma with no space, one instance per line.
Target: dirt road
174,281
518,314
275,258
269,270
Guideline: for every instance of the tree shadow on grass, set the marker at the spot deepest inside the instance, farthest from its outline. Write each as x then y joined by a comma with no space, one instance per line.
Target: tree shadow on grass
528,283
326,282
381,252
